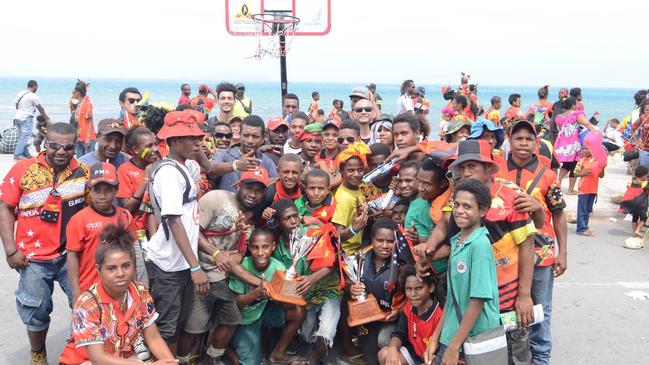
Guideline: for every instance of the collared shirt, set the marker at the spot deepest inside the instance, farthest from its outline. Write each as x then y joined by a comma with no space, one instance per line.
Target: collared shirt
589,184
28,185
97,320
508,228
417,329
471,275
232,154
547,192
376,281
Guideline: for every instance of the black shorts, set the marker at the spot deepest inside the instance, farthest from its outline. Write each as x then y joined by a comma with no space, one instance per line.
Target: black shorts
169,291
639,217
569,166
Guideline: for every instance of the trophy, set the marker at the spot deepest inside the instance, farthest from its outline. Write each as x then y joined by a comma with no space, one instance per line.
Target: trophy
364,309
283,284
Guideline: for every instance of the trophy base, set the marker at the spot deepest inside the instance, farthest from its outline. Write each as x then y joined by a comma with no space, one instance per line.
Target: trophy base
283,290
364,312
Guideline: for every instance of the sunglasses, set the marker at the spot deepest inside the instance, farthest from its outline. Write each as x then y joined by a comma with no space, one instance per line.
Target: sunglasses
133,100
57,146
349,139
367,109
223,135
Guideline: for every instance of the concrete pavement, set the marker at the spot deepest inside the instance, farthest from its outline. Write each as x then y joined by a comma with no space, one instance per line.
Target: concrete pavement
595,321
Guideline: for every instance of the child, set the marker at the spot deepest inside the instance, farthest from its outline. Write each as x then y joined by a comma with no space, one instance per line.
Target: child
399,211
408,180
471,279
84,228
635,199
351,213
257,311
313,107
589,170
514,113
493,113
296,127
317,205
289,170
375,280
612,136
41,128
417,322
447,115
317,281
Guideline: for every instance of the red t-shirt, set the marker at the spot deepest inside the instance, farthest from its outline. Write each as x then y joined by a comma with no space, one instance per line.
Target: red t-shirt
29,187
589,184
83,116
183,100
130,120
83,236
130,177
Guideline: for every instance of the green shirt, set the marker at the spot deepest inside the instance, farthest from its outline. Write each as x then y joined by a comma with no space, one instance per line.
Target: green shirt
253,312
472,275
419,214
327,287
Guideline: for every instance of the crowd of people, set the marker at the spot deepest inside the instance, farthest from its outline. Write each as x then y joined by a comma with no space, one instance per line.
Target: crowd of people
168,227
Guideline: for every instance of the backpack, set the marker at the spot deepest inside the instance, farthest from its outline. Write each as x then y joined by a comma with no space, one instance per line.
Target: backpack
155,202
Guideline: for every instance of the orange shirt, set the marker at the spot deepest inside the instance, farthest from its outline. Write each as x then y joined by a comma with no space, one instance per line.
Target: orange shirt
83,236
589,184
130,177
83,115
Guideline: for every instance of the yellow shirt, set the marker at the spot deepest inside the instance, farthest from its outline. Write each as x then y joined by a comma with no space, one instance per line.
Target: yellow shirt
238,107
345,210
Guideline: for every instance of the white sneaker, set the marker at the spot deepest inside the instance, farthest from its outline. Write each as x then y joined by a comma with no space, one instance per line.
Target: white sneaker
141,351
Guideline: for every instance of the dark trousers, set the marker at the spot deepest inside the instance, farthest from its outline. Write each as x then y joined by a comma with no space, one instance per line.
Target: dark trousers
584,208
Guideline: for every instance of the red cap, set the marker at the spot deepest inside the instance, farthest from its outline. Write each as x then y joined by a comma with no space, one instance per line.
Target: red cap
180,124
259,175
276,123
102,172
203,88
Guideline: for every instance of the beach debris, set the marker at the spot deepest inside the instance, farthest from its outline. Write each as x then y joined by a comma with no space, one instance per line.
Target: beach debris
636,294
634,243
613,219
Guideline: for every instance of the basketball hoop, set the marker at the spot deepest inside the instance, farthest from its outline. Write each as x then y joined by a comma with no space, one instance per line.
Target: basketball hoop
275,32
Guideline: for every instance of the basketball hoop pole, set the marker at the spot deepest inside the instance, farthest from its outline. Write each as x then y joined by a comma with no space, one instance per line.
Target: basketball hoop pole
282,67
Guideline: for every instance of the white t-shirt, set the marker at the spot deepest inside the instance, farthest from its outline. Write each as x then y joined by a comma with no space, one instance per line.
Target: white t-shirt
404,104
169,187
289,149
27,104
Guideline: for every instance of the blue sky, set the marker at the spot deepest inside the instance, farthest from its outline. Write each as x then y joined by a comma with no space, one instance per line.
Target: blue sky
596,43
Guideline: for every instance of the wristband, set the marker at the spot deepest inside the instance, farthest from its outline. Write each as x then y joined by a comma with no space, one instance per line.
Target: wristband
196,268
351,229
15,252
216,254
234,166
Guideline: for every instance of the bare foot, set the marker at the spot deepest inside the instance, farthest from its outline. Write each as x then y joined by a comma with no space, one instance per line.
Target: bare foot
588,233
571,192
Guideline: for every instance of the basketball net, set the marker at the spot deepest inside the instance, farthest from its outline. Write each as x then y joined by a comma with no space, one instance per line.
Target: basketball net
269,28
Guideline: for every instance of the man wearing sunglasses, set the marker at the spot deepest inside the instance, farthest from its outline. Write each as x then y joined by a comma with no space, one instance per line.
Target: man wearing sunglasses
128,101
47,191
222,136
348,133
364,113
110,137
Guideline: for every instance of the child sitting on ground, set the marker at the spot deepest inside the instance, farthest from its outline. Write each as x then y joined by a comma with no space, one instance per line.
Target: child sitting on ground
589,170
317,205
257,311
41,132
635,200
417,322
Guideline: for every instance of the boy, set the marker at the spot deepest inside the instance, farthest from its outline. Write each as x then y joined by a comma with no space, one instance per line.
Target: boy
399,211
514,113
351,213
589,170
493,113
84,227
256,310
41,128
289,169
313,106
408,180
317,205
296,127
317,281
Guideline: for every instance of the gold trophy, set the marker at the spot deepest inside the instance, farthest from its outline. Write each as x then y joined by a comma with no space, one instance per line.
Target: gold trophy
283,285
364,309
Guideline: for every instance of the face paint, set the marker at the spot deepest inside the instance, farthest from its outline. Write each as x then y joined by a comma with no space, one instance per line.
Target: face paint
144,152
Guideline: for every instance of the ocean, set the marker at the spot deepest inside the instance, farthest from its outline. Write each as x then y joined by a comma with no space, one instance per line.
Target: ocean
54,94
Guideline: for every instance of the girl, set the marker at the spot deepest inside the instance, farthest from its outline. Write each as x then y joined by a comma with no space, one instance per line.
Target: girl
417,322
110,316
471,278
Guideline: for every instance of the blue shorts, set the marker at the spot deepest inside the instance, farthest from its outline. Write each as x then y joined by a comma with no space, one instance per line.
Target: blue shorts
35,288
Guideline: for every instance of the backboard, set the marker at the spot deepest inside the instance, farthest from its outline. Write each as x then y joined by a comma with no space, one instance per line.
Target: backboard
315,15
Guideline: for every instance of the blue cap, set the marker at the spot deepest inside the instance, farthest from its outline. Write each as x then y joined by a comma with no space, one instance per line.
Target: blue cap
477,129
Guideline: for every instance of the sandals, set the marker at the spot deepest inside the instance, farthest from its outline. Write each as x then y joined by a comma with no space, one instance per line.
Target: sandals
290,360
